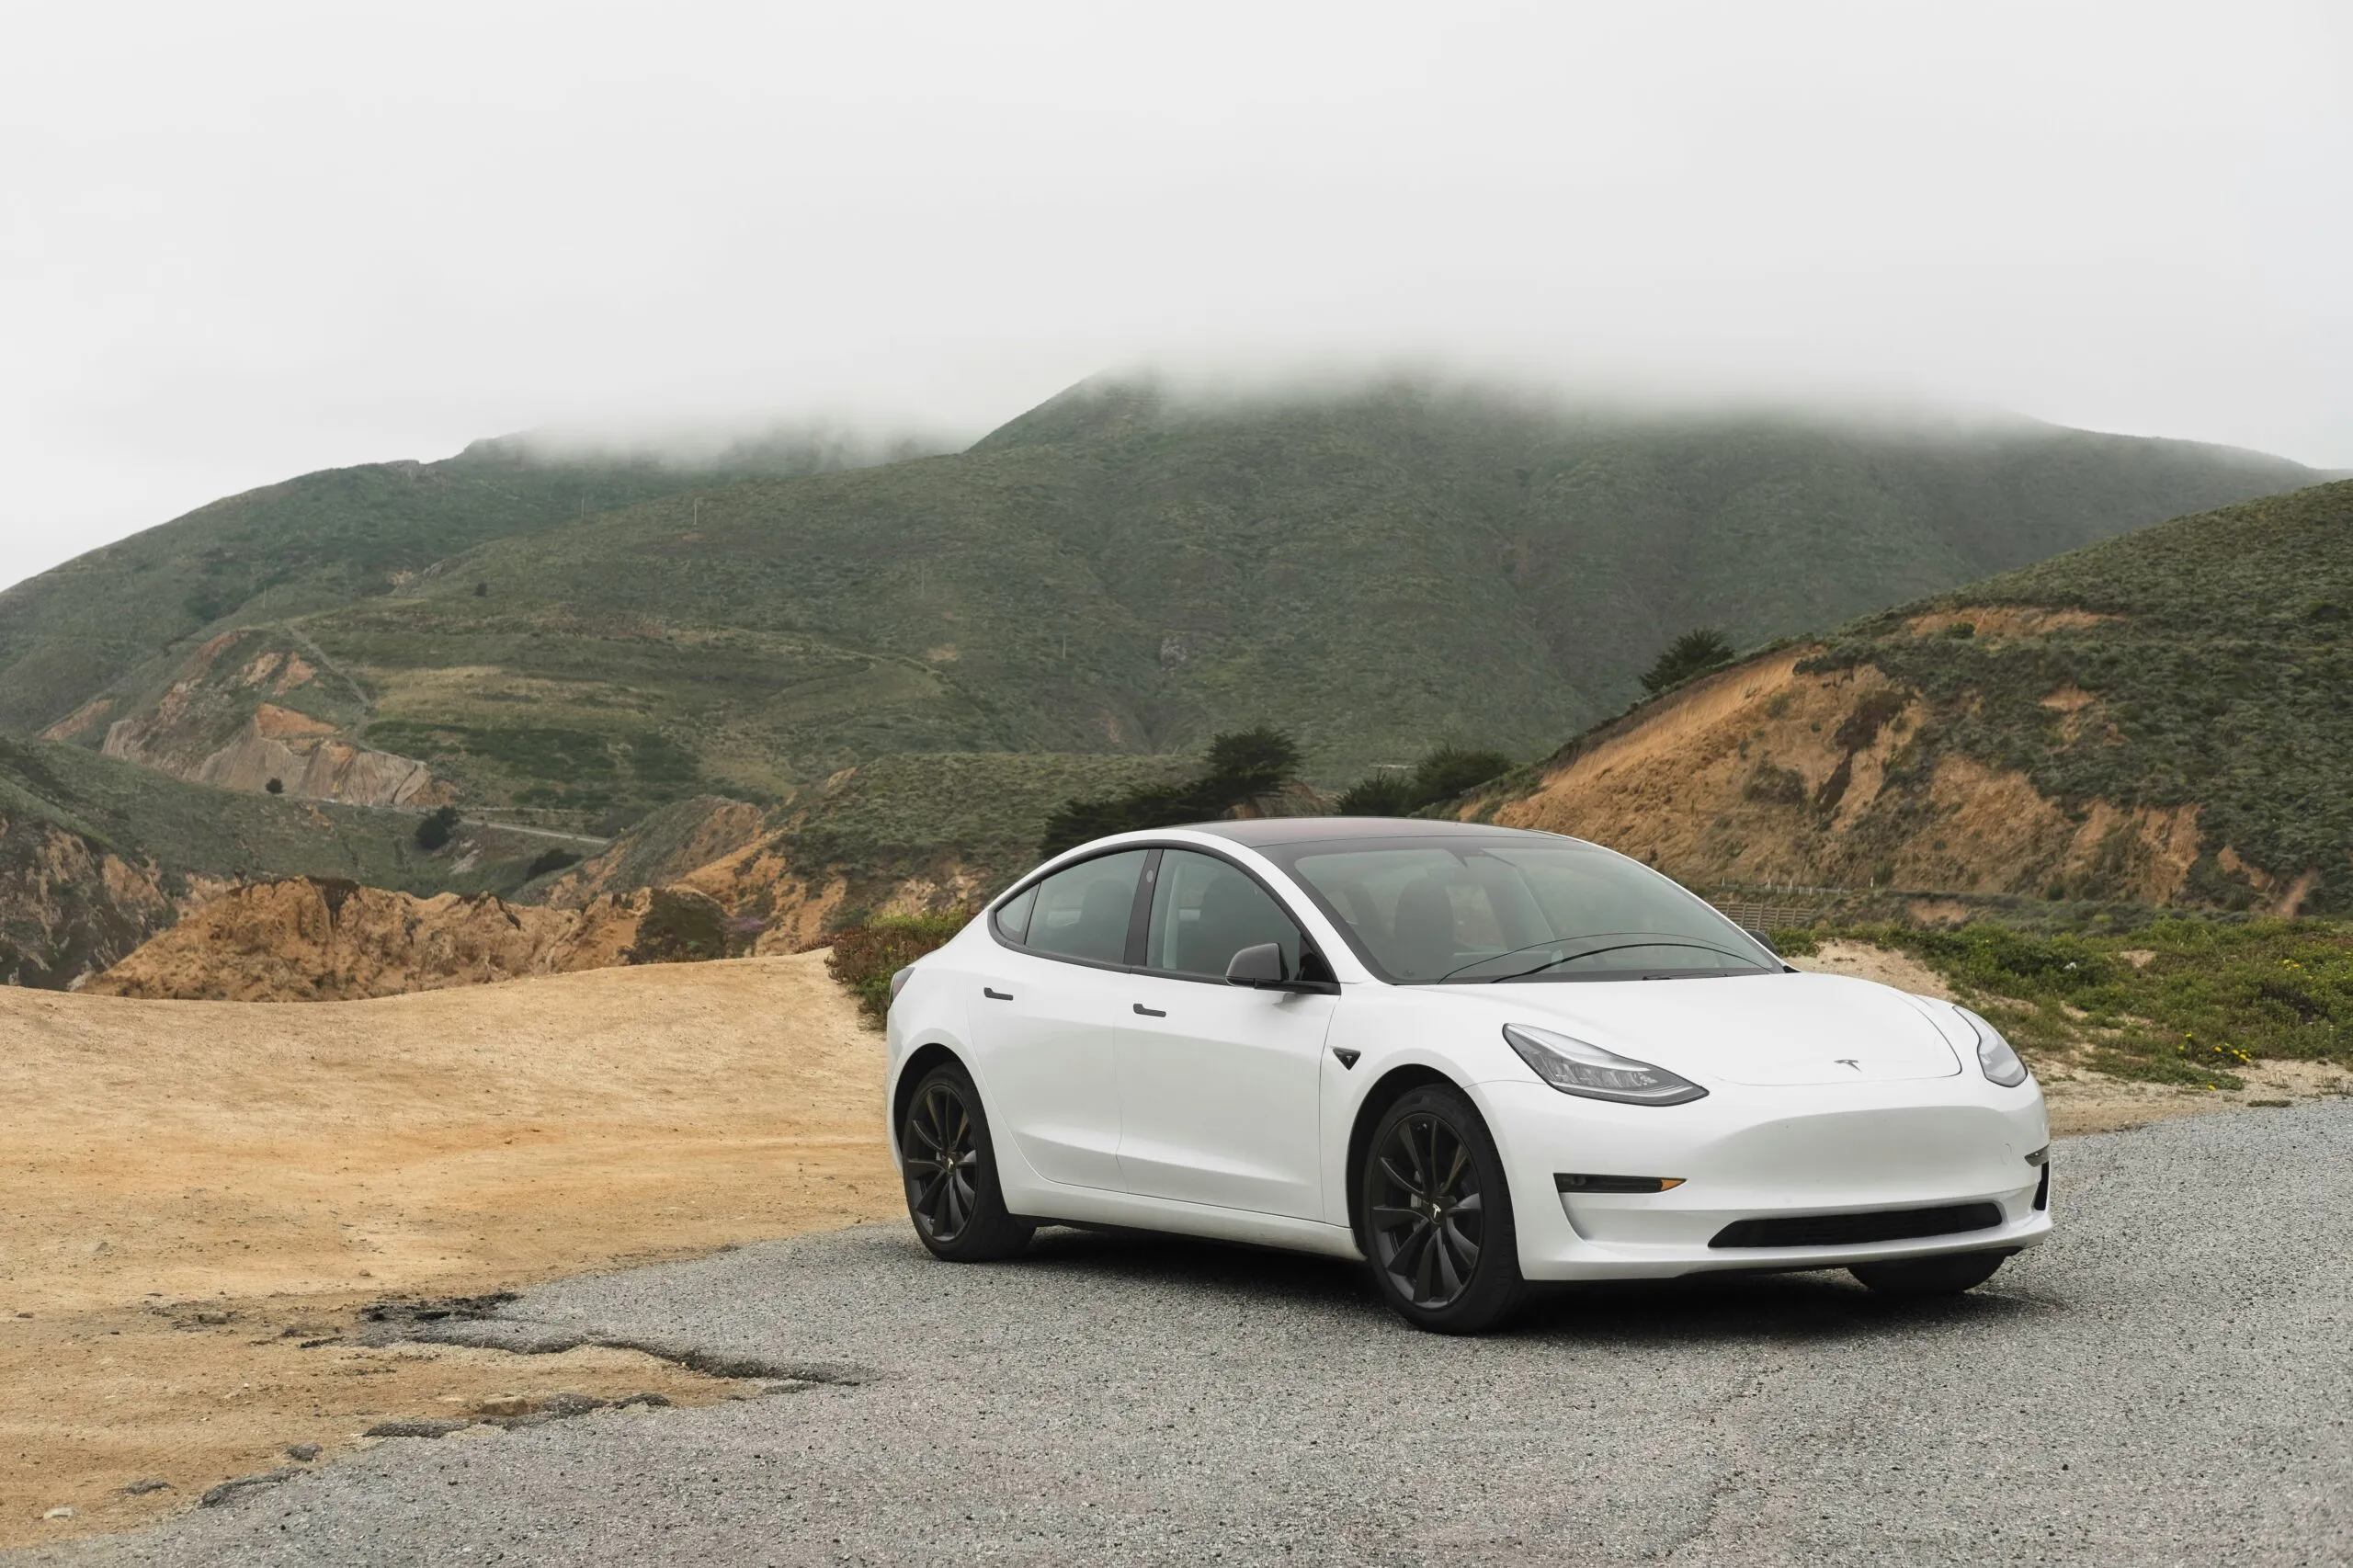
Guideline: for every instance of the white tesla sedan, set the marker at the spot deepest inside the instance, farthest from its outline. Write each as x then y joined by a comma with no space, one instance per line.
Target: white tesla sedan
1473,1056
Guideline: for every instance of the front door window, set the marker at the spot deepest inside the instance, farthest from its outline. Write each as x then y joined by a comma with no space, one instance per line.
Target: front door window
1205,911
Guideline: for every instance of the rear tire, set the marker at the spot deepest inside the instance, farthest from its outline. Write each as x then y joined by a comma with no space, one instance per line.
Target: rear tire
950,1166
1436,1213
1946,1276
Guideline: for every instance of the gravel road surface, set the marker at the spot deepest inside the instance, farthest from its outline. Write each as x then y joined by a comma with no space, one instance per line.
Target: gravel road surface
2169,1381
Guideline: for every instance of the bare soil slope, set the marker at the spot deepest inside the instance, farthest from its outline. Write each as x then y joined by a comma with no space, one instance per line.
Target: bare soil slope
201,1191
1770,772
303,940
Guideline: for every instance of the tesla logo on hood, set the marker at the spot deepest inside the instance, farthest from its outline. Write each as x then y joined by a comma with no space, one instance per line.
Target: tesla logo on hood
1847,1061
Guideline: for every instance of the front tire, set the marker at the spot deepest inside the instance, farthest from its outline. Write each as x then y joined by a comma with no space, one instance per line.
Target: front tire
1438,1224
1946,1276
949,1167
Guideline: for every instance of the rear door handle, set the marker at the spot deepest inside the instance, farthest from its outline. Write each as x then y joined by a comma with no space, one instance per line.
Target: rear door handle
996,995
1152,1011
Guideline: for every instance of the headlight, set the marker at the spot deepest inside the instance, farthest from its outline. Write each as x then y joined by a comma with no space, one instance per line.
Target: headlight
1576,1068
1993,1053
899,979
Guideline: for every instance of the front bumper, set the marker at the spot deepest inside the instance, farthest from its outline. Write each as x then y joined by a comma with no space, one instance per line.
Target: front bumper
1745,1153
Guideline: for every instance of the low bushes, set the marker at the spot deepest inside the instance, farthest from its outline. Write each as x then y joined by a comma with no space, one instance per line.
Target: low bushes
2178,1001
865,956
680,926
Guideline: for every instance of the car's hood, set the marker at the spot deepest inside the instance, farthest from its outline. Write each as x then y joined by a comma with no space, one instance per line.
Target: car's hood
1765,1029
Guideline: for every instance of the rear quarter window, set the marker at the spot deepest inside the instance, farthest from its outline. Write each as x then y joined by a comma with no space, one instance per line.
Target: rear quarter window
1012,916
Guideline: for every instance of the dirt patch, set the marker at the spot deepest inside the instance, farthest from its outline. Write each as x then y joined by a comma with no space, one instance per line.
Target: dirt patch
1864,962
2083,1101
199,1190
1768,774
101,1407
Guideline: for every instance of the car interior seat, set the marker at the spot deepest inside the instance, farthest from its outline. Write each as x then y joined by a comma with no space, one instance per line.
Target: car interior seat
1102,933
1234,915
1422,940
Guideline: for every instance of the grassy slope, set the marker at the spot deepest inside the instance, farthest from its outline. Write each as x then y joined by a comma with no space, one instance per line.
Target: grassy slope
965,822
2222,681
308,544
914,816
1114,572
143,817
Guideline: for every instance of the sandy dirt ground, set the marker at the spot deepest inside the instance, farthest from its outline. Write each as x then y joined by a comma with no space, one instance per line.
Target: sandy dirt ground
2081,1100
197,1199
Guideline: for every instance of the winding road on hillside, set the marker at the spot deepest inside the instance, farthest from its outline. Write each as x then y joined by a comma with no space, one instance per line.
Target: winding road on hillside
2170,1380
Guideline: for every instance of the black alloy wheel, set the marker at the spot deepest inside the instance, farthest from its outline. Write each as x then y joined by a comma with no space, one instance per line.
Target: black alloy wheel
949,1167
1437,1216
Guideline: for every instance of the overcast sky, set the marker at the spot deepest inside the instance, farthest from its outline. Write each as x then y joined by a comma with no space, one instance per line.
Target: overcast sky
241,242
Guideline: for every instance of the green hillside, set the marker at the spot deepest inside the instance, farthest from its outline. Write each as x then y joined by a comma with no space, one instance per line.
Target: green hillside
2220,676
1117,571
309,544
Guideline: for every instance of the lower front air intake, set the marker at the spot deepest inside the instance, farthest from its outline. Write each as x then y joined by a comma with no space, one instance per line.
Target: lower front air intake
1857,1229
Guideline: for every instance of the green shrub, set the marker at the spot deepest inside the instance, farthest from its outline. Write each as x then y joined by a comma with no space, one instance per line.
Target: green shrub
1379,795
1239,767
1693,653
1442,775
550,860
435,831
865,956
1453,770
680,925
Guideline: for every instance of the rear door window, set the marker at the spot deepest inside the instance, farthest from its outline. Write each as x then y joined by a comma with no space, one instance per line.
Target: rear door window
1084,910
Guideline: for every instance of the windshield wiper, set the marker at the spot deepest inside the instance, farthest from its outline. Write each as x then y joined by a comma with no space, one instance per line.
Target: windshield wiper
1586,953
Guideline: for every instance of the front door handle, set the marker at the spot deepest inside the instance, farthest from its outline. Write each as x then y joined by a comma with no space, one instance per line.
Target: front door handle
996,995
1152,1011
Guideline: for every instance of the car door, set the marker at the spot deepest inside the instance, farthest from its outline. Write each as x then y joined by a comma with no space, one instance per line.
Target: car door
1046,1022
1219,1084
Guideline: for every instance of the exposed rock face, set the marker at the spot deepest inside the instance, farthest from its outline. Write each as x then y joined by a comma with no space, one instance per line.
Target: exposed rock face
309,940
68,907
247,709
307,758
668,846
778,898
1768,774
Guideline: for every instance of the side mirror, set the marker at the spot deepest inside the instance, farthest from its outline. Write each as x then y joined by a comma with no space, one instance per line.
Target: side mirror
1756,935
1260,967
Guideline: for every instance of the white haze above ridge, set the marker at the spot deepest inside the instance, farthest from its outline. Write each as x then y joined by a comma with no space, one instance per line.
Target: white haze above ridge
254,239
718,440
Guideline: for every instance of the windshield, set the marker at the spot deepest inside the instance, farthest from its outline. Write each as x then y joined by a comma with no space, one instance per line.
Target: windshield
1464,912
